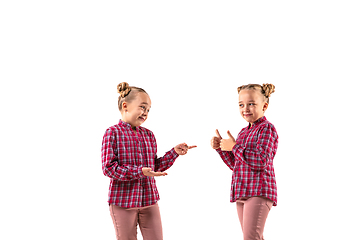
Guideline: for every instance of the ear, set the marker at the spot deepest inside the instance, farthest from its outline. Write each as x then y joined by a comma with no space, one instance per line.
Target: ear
265,106
124,106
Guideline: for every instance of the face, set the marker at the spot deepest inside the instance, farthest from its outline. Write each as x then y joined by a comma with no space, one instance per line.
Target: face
136,112
252,105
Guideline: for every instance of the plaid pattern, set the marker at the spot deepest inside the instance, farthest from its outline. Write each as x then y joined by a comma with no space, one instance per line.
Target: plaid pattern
251,161
124,154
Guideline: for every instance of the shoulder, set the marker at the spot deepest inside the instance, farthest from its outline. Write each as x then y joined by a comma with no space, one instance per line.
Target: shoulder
114,130
267,127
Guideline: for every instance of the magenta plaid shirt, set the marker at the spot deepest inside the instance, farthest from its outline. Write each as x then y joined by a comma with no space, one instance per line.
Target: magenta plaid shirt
124,153
251,161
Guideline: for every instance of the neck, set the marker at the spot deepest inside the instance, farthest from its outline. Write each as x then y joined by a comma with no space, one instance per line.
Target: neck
132,127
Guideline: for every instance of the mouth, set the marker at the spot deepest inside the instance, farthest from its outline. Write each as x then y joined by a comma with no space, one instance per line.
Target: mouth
142,119
247,114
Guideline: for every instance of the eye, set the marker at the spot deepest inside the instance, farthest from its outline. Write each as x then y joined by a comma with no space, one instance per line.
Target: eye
252,104
241,105
142,107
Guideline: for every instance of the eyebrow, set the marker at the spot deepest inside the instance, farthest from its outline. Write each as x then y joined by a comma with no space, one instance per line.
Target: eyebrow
145,103
249,101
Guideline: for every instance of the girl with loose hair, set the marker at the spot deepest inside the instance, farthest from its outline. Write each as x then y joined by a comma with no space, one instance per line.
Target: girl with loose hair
129,159
250,157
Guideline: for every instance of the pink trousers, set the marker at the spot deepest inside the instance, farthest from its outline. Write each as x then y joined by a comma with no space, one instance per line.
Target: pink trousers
252,214
126,220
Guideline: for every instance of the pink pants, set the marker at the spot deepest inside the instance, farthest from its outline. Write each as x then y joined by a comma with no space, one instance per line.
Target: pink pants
252,214
126,219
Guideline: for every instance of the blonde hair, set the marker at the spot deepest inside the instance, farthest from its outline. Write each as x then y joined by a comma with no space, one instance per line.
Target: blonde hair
266,89
127,93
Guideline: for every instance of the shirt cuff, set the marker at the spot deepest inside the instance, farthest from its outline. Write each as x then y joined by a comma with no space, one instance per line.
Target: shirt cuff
138,173
173,153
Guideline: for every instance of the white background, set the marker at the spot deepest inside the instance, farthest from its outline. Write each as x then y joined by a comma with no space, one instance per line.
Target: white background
61,62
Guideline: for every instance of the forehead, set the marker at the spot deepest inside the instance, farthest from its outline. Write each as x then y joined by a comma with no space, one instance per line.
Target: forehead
142,98
247,95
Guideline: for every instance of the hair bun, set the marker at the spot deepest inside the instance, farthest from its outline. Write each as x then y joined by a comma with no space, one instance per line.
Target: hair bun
123,89
268,89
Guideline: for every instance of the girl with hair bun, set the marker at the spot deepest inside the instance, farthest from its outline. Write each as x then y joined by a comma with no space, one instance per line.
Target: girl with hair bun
250,157
130,160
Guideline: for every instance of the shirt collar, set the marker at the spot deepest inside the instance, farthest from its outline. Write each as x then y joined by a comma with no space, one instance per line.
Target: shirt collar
257,122
121,122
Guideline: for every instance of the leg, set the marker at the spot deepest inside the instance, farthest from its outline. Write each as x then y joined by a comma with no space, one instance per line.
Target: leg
256,210
150,223
240,211
125,222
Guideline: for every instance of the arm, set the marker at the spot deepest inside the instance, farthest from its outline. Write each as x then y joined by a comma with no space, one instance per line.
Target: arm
257,155
165,162
227,157
110,161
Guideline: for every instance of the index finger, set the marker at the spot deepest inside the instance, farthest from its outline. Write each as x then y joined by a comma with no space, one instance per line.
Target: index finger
218,134
193,146
158,174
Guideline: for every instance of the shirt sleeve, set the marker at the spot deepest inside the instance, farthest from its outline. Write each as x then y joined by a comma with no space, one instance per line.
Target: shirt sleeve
165,162
110,161
227,157
257,155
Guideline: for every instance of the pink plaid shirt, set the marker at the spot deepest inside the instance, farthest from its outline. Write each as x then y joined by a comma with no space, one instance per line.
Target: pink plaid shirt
251,161
124,153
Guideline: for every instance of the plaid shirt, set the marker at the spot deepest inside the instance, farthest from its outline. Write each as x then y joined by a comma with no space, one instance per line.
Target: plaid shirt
251,160
124,153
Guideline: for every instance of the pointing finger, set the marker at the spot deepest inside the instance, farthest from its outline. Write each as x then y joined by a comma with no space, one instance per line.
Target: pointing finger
193,146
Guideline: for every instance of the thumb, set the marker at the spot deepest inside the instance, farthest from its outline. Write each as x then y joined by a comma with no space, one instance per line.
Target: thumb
218,134
231,136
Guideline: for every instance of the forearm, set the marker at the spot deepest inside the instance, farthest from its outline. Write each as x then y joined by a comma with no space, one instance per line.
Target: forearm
227,157
165,162
253,158
122,173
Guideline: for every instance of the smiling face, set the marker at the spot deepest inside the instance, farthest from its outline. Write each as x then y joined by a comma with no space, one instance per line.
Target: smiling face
252,105
136,111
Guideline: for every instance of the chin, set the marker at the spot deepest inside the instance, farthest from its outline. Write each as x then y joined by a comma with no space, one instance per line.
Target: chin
139,122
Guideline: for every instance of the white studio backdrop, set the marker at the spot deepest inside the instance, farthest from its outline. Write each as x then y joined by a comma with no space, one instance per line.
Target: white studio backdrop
61,62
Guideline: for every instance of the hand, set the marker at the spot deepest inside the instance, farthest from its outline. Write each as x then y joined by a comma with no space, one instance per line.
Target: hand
148,172
227,144
182,148
215,141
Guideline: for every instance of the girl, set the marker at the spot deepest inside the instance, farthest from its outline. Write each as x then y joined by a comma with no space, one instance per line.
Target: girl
129,159
250,157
